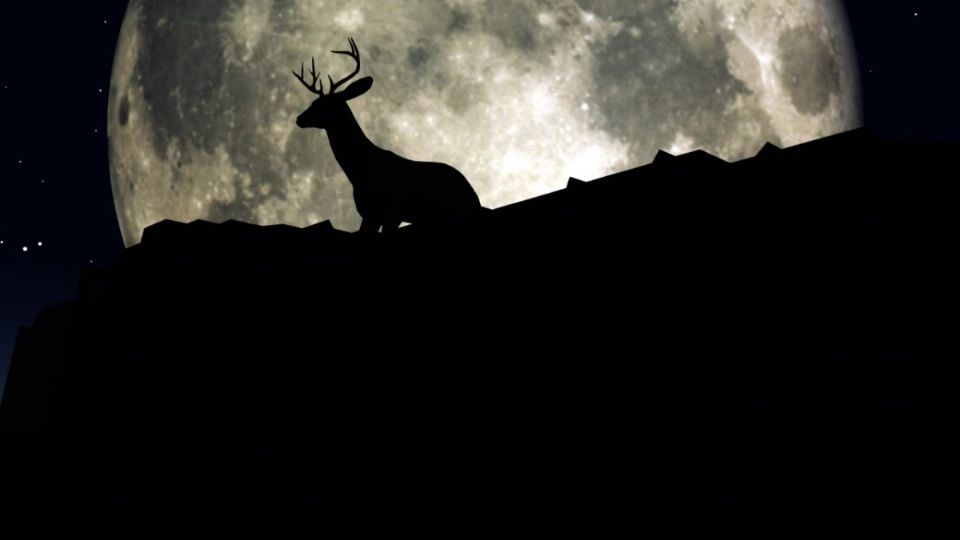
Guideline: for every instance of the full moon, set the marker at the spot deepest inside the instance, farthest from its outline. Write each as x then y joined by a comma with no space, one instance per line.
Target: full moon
518,95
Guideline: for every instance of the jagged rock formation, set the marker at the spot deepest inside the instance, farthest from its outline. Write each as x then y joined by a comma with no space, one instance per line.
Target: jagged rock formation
689,349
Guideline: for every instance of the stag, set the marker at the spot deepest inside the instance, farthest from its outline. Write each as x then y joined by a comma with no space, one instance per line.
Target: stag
387,189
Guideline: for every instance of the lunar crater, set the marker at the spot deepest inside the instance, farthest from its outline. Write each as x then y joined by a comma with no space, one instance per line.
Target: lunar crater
123,113
809,70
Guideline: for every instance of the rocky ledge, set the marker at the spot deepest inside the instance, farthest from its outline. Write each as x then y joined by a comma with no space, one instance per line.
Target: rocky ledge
694,348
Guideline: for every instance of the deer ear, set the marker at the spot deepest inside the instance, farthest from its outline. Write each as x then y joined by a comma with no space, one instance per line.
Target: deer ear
357,88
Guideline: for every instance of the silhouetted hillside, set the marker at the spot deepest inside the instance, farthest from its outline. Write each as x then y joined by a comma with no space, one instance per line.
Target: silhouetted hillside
690,349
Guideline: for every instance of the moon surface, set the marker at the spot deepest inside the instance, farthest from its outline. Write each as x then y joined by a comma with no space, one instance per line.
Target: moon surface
517,95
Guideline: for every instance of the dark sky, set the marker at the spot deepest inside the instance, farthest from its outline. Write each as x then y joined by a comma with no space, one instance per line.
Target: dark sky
54,180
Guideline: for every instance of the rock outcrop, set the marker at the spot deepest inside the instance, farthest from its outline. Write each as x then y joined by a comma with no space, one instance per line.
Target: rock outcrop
694,348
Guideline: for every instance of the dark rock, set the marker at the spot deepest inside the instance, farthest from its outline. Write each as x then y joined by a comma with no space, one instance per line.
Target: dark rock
694,348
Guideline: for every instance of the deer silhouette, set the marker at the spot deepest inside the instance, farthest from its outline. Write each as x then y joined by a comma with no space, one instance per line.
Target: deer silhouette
387,189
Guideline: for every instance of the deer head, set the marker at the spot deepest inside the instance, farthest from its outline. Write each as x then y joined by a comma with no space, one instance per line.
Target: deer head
324,109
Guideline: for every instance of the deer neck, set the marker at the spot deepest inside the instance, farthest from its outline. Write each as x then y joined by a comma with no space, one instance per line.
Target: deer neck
349,144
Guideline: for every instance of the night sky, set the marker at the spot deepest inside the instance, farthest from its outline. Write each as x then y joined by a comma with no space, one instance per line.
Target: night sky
56,207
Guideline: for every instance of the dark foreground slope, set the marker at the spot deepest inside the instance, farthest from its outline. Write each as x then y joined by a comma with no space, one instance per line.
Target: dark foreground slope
764,349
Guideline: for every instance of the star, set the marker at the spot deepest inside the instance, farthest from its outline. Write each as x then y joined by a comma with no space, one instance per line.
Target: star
39,244
25,249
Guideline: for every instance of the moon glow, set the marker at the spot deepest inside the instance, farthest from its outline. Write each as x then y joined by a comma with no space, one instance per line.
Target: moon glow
516,95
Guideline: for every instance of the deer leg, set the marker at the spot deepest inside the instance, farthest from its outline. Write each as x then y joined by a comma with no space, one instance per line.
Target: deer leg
369,226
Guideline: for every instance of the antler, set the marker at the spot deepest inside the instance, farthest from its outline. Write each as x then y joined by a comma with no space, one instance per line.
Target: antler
313,73
354,53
